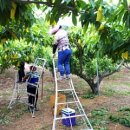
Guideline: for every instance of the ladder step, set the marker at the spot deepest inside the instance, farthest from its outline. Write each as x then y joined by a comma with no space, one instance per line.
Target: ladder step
86,129
31,94
61,90
36,85
68,102
59,118
29,104
19,97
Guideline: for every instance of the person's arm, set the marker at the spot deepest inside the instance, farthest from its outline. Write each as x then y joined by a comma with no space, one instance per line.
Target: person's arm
26,77
54,48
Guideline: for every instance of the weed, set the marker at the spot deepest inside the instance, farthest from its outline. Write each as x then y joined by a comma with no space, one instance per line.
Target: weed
89,95
99,119
109,91
122,116
7,116
127,93
4,118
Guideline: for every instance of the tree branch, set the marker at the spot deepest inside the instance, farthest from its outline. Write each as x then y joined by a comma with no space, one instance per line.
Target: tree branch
127,65
46,3
118,67
34,2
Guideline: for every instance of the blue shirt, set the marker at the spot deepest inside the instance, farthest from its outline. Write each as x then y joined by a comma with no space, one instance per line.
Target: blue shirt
33,77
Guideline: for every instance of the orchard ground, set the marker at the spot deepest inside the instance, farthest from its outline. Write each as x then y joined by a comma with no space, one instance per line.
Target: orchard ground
114,96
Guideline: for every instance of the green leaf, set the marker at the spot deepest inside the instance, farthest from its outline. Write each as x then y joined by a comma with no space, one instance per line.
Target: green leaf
58,1
125,16
82,4
74,19
92,3
85,27
128,21
67,1
125,3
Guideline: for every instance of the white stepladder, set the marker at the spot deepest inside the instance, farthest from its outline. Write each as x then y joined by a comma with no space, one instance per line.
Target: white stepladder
66,87
20,94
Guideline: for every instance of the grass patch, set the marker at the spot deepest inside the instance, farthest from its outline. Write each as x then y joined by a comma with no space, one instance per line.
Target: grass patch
4,116
127,83
128,93
88,95
7,115
100,118
109,92
122,116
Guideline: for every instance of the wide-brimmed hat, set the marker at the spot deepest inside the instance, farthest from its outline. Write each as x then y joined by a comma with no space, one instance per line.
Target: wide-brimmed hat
54,29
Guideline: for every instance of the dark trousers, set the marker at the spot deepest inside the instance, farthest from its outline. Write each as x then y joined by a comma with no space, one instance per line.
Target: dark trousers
31,99
21,72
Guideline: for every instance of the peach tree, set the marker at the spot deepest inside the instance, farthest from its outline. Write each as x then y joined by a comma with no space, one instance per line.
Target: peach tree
89,59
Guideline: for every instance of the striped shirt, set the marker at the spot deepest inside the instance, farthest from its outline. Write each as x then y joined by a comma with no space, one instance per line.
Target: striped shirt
61,38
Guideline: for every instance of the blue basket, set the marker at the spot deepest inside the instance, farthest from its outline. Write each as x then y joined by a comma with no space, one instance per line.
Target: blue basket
66,112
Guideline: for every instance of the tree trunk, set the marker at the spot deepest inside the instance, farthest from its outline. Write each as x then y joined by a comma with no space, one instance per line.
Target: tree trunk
94,87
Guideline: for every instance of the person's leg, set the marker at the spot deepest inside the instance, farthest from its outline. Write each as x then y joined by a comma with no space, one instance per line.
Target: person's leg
61,58
19,75
29,90
22,73
67,61
35,98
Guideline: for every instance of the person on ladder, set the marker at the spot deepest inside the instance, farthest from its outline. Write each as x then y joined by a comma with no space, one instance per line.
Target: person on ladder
64,51
32,87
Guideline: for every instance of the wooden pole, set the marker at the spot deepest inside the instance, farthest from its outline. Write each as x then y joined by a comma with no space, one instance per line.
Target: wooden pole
42,87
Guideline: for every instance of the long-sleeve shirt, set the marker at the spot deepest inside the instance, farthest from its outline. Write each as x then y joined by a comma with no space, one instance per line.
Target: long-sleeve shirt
61,38
32,77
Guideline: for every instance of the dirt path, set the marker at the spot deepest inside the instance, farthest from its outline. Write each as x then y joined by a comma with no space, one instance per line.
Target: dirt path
44,118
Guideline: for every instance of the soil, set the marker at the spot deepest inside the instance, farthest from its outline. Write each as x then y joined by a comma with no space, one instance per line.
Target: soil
44,118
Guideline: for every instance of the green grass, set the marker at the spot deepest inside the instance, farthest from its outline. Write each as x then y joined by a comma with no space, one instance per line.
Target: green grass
127,93
100,118
122,116
127,83
107,91
8,115
4,116
111,90
88,95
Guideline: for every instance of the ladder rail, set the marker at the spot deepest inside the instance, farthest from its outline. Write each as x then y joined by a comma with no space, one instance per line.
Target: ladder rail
15,89
81,106
74,96
77,104
56,95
